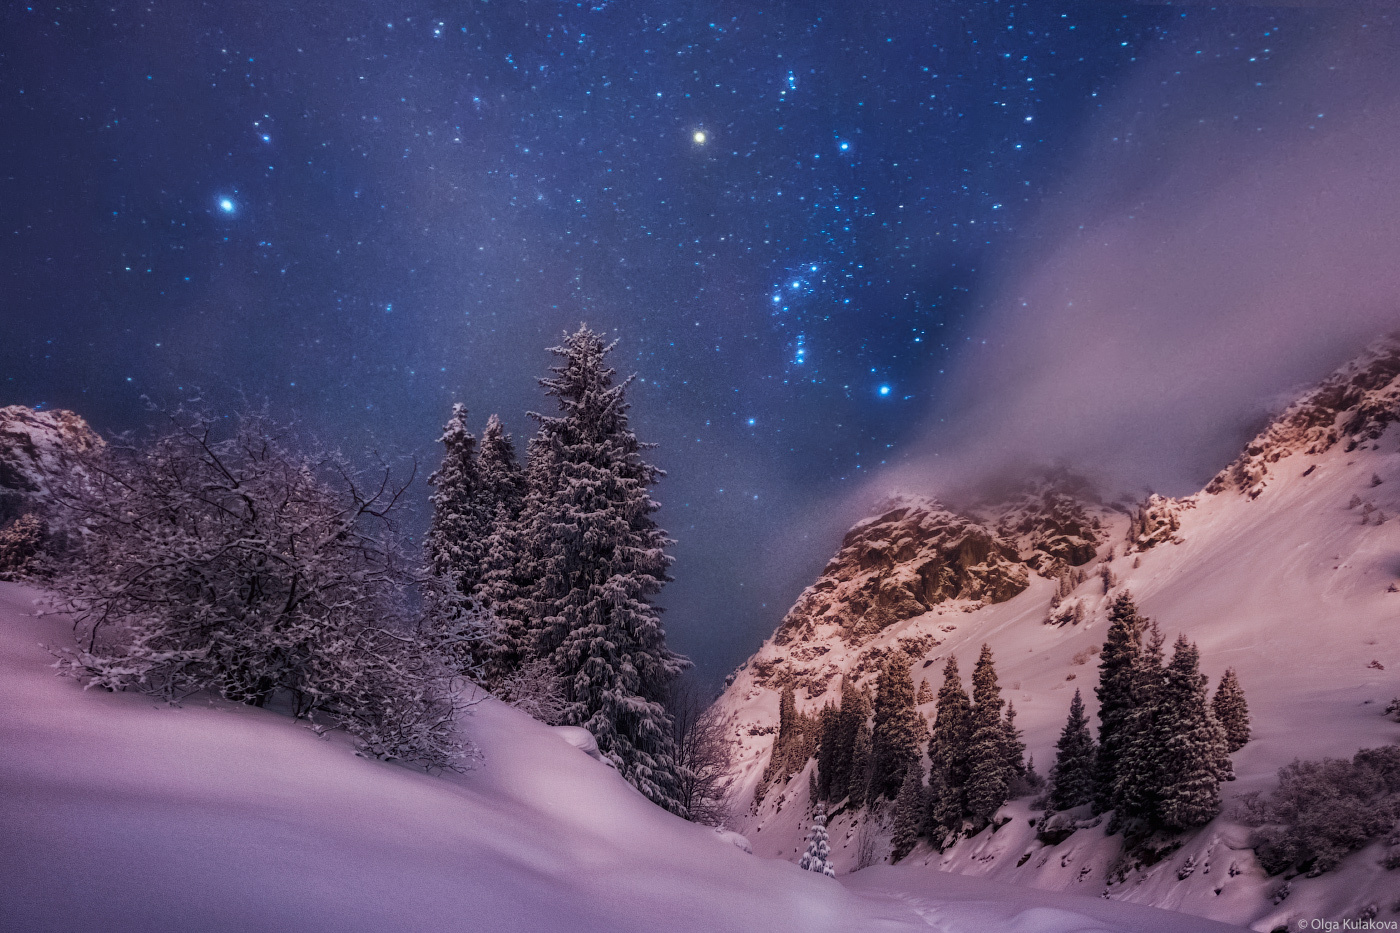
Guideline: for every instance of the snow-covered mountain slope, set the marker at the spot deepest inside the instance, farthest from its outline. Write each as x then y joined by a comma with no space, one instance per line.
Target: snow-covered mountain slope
121,814
1283,569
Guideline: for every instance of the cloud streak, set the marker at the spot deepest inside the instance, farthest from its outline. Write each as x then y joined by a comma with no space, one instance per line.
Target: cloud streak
1231,234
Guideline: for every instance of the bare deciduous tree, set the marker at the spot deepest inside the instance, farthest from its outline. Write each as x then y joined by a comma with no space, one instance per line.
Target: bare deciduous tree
703,751
217,558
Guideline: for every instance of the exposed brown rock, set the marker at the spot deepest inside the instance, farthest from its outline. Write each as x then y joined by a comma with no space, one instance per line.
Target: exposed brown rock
1157,521
914,555
1049,524
35,448
1356,403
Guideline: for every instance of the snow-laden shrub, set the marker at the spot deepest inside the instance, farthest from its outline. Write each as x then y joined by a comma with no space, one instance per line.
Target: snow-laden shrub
234,564
1324,809
20,543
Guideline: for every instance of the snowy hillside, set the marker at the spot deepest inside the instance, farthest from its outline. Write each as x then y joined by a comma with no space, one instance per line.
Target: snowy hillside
1282,570
118,813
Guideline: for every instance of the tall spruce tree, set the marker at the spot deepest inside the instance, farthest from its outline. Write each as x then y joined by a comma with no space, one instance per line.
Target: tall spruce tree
895,735
948,749
514,566
501,477
1072,777
827,751
1231,711
501,587
1137,780
858,792
793,745
460,523
602,559
989,777
1194,751
942,808
1014,743
909,809
855,710
1117,671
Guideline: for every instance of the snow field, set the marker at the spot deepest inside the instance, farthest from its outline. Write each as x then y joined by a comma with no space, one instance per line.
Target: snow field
1289,588
121,814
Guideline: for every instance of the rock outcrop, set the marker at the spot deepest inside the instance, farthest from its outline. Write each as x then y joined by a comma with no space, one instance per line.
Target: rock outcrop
1354,404
909,558
36,447
1049,523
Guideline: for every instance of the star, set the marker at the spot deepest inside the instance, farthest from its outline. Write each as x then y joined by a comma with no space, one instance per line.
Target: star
227,206
699,137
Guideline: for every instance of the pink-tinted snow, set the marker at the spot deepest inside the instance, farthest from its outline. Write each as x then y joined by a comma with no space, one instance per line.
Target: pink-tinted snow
121,814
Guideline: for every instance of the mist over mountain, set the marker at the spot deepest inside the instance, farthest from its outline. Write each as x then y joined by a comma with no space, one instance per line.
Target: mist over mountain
1211,253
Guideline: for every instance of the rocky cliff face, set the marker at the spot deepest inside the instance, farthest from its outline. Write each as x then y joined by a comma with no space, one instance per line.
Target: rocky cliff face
1054,523
1354,404
899,564
916,554
1283,568
35,448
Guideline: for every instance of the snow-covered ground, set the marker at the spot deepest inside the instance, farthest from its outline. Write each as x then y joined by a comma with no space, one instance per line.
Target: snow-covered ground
1290,588
121,814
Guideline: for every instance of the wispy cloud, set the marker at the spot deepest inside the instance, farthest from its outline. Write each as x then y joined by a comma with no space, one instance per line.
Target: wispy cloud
1230,234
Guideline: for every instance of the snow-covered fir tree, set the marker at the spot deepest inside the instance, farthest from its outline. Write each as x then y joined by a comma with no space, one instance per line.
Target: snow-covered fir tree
502,481
827,751
512,568
1014,744
1117,670
1138,777
925,694
948,747
989,777
818,847
909,810
854,712
897,730
460,522
794,744
602,560
858,792
1194,756
1231,711
1072,777
942,808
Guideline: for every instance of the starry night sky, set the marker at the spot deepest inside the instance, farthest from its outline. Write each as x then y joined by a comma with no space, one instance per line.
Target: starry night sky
364,211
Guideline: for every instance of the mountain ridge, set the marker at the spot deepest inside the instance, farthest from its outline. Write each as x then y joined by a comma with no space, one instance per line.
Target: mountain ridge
1279,567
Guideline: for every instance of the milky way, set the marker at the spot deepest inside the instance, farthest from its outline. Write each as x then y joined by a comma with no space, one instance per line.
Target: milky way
364,212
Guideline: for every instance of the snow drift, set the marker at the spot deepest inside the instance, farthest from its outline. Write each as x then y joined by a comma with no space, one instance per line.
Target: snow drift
118,813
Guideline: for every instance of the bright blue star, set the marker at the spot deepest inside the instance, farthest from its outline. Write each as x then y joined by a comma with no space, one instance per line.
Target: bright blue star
227,206
884,390
845,146
751,422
